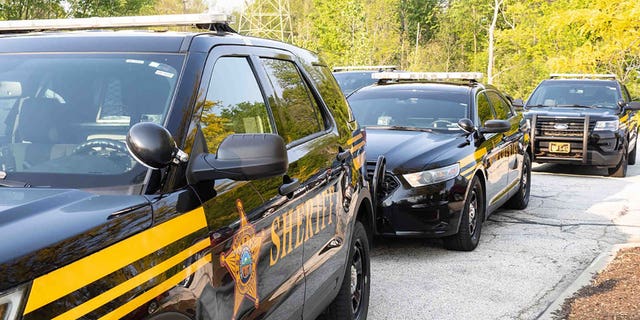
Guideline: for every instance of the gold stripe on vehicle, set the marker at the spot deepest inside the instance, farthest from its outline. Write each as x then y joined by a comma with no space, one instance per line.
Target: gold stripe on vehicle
130,284
473,157
357,147
625,118
466,172
354,138
60,282
157,290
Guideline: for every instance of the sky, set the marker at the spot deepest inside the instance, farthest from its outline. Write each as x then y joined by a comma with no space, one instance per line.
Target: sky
225,6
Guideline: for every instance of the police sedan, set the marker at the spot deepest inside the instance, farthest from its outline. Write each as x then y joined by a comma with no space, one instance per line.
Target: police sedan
455,152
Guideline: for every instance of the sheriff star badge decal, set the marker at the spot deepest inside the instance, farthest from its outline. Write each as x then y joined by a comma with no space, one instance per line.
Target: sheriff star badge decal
242,261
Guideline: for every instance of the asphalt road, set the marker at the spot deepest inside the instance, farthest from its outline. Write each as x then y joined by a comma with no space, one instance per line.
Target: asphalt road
525,259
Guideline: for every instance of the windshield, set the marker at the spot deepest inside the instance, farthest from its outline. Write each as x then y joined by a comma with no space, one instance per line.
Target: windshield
598,94
421,109
64,117
352,81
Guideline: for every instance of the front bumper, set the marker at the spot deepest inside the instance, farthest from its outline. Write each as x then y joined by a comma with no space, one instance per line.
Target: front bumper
427,211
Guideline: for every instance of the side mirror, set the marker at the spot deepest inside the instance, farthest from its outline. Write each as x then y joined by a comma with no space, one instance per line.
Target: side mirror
495,126
633,105
466,125
518,104
153,146
241,157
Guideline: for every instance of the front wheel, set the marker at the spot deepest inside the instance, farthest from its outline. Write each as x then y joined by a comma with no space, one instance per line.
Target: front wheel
468,235
520,200
352,301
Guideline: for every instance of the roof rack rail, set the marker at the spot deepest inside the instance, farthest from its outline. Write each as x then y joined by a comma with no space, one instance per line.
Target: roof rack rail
582,76
427,76
356,68
208,21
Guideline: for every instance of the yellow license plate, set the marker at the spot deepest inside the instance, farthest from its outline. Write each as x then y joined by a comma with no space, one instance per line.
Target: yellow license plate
559,147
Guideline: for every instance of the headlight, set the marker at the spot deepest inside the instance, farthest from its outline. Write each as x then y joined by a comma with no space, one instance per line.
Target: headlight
432,176
607,125
11,303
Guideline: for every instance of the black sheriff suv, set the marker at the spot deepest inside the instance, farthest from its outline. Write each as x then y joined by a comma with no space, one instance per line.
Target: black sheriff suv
455,151
176,175
583,119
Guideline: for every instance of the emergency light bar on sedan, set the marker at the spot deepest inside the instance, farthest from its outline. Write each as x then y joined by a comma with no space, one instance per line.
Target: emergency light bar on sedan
473,76
582,76
199,20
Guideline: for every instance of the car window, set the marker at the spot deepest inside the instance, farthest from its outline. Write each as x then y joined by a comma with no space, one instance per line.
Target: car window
500,106
406,107
234,102
484,110
295,111
582,93
64,117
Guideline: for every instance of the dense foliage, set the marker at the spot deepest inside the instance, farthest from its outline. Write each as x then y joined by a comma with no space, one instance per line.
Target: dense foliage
531,38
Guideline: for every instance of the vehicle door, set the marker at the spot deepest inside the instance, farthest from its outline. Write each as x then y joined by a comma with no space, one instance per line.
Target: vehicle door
510,141
496,168
242,215
312,225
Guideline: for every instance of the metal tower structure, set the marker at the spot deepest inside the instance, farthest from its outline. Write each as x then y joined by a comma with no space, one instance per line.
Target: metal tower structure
267,19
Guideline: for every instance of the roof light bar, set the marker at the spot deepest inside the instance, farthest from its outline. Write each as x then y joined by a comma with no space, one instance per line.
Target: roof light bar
427,76
114,22
583,75
353,68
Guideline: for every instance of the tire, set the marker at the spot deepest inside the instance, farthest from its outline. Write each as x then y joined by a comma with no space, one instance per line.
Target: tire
352,301
520,200
468,235
620,171
632,156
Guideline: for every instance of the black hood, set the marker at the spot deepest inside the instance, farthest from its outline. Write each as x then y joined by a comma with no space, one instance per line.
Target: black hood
410,151
594,113
43,229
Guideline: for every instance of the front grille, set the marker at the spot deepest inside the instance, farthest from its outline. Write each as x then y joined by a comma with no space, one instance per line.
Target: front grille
389,182
560,127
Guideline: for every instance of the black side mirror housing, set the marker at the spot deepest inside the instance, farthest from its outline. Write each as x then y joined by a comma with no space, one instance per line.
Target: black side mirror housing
495,126
633,105
241,157
466,125
153,146
518,104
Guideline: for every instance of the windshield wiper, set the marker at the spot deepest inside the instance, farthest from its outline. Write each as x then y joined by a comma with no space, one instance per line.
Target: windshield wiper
575,106
404,128
11,183
538,106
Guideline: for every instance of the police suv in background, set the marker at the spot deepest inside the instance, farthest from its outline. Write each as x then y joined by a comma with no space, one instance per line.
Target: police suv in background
583,119
176,175
352,78
455,152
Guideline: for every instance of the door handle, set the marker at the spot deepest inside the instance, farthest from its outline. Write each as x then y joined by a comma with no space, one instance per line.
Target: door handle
342,154
288,186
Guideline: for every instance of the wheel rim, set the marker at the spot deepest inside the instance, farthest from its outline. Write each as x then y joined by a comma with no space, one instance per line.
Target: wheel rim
525,179
473,210
358,279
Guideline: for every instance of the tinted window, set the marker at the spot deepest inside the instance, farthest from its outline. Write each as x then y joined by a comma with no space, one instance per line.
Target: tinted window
582,93
234,102
501,107
484,110
296,112
64,117
429,109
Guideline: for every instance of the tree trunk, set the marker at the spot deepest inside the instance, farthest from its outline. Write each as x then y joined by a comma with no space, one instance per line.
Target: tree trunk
492,28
